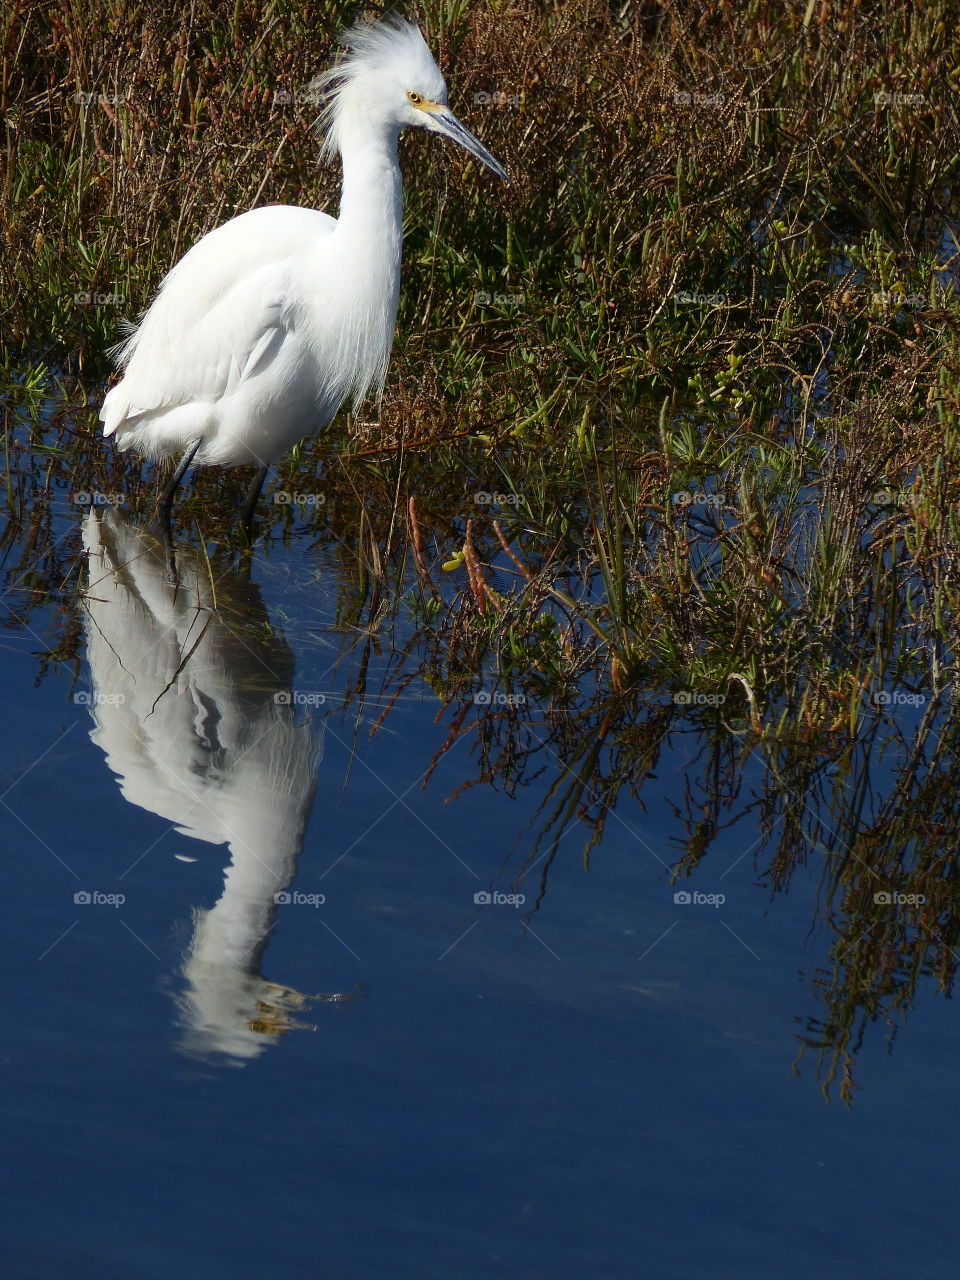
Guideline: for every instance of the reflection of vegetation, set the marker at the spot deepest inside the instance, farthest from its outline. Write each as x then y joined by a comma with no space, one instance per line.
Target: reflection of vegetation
720,426
869,787
832,699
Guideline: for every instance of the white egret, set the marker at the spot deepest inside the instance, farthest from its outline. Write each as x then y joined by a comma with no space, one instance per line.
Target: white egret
272,320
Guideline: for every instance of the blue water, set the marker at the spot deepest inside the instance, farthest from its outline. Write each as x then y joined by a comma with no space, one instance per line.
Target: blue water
603,1087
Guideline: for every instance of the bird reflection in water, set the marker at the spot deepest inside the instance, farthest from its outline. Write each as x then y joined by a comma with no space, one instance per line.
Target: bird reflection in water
191,703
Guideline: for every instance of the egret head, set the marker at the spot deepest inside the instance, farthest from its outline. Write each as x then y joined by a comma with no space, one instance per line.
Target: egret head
389,80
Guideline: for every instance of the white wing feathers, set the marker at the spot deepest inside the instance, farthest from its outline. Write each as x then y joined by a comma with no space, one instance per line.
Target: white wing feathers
175,360
222,315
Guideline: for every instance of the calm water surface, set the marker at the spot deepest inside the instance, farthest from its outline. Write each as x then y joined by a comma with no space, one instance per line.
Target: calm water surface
603,1086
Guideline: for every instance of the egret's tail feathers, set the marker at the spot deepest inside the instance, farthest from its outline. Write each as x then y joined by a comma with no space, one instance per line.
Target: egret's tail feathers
113,412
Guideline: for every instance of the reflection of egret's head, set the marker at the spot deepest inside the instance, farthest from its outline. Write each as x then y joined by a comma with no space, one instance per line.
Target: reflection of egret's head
186,677
228,1011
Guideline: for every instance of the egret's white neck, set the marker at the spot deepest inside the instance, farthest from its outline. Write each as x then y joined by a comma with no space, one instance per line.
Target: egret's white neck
366,246
371,201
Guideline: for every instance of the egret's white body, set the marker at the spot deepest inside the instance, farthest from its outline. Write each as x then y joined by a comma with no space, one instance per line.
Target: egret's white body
270,322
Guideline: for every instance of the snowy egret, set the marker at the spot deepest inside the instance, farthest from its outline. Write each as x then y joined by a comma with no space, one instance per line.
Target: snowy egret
265,327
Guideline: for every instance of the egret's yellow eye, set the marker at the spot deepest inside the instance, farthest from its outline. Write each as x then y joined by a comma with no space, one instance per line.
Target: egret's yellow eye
415,98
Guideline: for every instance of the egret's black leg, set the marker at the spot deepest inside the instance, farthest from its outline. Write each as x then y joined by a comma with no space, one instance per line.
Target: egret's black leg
166,498
167,539
250,506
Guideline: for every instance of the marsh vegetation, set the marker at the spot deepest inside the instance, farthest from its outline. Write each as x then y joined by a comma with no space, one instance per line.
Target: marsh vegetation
670,443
